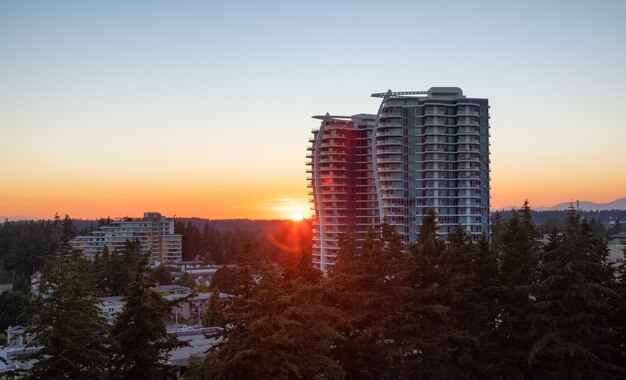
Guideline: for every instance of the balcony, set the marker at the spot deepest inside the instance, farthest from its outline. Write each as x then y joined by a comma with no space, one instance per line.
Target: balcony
390,133
391,114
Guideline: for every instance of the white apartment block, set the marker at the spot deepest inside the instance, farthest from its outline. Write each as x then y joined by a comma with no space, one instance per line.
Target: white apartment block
154,232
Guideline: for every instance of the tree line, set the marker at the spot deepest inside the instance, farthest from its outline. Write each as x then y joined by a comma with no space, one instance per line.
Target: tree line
72,338
220,242
508,307
548,220
25,245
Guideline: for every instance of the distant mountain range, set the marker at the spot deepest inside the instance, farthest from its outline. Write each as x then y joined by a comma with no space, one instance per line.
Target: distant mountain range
618,204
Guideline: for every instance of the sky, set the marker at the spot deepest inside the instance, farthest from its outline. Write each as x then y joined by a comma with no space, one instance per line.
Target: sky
203,108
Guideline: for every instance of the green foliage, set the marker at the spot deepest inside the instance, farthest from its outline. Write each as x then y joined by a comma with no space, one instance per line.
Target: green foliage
486,285
224,279
277,328
22,284
186,280
426,327
141,342
460,293
509,307
68,230
219,242
71,332
162,275
572,338
367,289
24,246
618,315
114,271
214,315
519,255
13,306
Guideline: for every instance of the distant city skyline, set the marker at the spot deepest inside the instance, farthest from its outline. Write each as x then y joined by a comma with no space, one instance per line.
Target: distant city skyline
203,109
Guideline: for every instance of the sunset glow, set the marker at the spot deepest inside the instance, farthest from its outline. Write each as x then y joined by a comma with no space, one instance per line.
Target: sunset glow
96,122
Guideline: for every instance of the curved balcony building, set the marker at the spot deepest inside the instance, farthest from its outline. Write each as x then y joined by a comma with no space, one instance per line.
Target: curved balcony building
341,179
444,158
423,149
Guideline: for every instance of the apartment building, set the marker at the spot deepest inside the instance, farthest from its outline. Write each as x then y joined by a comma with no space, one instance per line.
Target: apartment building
154,232
423,149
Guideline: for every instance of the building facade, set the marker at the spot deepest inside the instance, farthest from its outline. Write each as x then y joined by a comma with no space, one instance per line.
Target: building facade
341,175
154,232
423,149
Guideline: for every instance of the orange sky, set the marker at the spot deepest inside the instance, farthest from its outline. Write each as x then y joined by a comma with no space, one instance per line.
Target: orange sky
203,108
209,200
258,200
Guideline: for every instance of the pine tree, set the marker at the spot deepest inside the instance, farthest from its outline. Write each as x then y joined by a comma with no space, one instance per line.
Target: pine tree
71,330
497,227
485,270
367,287
314,330
68,230
572,336
425,329
518,253
22,284
460,293
13,305
277,328
618,313
214,315
142,344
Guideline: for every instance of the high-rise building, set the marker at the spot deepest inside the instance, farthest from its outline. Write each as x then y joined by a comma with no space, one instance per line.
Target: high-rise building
342,182
424,149
154,232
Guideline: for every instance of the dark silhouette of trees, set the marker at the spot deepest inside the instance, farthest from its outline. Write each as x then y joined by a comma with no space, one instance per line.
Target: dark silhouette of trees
572,339
141,342
214,315
69,328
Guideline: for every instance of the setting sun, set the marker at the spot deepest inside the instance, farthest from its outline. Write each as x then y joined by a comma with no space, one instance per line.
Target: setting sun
296,216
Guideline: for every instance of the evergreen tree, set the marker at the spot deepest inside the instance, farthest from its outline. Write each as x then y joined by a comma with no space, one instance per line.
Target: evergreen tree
425,329
71,330
142,344
186,280
497,227
68,230
214,315
56,229
224,279
518,253
618,313
162,275
460,293
485,270
275,330
22,284
367,287
117,268
13,306
314,328
572,336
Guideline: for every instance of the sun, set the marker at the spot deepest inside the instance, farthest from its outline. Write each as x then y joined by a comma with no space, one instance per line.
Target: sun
297,216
